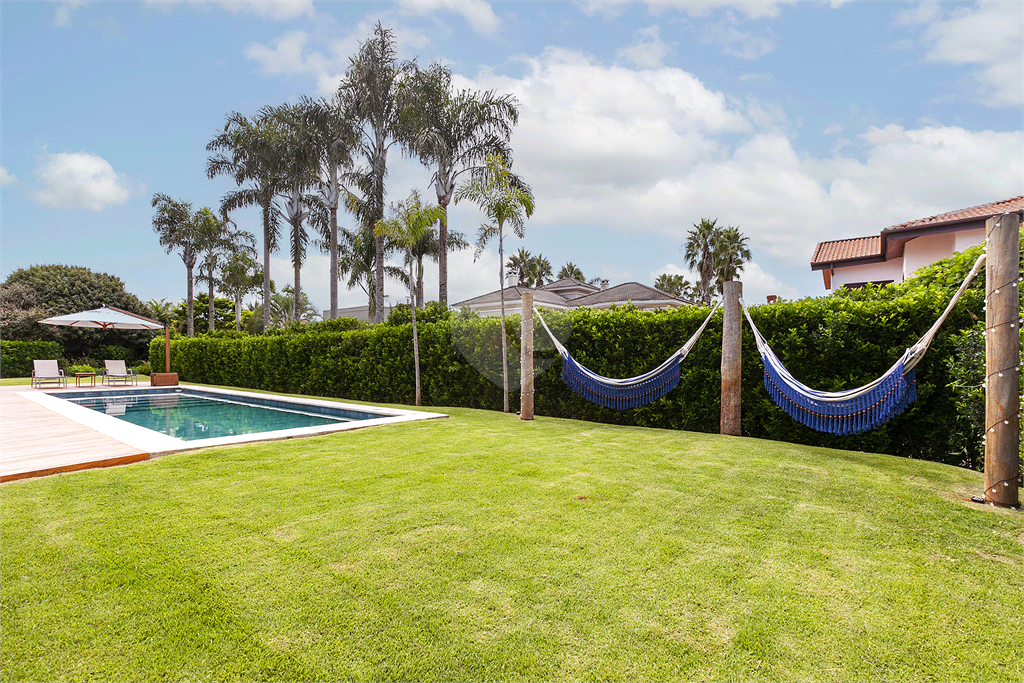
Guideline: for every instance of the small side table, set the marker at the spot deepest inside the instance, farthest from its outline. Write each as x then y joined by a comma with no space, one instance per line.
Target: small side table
79,376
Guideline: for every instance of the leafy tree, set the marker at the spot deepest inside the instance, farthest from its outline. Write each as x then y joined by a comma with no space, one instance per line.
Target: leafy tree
540,270
676,285
504,198
731,254
284,308
700,255
454,132
221,243
410,226
570,269
239,276
248,152
161,310
333,140
31,294
371,91
223,312
178,228
519,266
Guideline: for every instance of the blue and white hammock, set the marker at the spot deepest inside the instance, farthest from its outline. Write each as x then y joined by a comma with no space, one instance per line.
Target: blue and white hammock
855,410
624,393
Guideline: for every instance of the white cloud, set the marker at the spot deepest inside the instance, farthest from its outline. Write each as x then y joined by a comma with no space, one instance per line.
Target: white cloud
291,54
648,50
653,151
734,42
6,177
79,180
62,15
264,9
700,8
986,35
477,12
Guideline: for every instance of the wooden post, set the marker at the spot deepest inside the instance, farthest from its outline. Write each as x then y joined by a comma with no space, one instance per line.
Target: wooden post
731,358
1002,359
526,360
167,348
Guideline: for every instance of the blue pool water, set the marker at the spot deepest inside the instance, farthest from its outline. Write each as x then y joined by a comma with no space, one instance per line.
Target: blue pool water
191,414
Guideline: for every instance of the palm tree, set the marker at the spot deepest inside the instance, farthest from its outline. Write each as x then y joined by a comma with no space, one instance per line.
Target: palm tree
676,285
249,154
161,310
570,269
519,265
333,137
430,246
411,224
700,255
356,263
239,276
371,92
299,168
219,242
455,132
175,223
504,198
540,270
731,254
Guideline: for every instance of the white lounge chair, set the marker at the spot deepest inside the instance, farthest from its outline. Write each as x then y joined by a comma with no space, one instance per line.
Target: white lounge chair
47,372
114,372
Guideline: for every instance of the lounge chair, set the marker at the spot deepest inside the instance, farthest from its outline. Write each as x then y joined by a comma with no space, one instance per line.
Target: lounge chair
114,372
47,372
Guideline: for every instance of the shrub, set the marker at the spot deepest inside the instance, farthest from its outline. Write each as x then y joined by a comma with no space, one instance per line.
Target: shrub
113,352
143,369
16,356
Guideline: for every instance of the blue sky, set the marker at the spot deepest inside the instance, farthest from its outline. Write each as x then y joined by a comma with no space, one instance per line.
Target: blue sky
796,122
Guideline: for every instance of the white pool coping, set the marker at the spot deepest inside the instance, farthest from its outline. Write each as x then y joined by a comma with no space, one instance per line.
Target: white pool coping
156,443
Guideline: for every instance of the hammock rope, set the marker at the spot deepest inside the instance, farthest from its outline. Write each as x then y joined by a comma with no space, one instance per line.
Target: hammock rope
631,392
855,410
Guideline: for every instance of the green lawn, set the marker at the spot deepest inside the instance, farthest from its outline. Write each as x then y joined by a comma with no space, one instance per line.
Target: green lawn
481,547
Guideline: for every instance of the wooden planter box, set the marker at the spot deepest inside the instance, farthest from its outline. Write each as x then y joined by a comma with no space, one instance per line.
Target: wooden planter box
163,379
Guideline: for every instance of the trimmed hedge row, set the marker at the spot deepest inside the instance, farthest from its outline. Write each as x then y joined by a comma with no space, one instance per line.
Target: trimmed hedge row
841,341
16,356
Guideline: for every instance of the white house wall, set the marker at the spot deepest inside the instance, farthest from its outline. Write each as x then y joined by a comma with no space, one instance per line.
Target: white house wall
868,272
926,250
965,239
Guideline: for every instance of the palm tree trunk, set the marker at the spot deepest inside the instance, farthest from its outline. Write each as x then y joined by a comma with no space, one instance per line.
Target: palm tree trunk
188,306
238,314
442,254
415,338
266,265
334,260
419,282
298,295
379,279
210,313
504,342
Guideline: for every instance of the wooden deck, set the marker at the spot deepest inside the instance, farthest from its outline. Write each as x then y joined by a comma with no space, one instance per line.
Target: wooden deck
35,441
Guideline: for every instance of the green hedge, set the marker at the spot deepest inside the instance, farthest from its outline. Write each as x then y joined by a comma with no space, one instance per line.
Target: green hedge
16,356
832,343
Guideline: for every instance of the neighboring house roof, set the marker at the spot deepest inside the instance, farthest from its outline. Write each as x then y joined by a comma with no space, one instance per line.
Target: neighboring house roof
570,283
627,291
515,293
890,241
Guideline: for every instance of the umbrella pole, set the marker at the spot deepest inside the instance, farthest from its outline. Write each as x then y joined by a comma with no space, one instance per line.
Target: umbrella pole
167,349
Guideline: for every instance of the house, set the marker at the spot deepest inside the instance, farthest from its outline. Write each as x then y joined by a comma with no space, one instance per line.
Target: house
568,293
898,251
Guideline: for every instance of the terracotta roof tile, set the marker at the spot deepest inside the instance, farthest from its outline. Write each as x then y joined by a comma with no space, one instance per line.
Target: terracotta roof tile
843,250
982,211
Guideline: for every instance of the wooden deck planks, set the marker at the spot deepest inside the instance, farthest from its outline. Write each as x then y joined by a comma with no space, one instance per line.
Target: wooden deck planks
35,441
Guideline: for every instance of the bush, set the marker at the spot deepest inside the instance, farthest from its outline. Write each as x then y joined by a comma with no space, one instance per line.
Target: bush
16,356
81,368
432,312
113,352
143,369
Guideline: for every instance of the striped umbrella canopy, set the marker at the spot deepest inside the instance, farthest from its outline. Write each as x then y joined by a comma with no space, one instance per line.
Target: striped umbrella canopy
107,318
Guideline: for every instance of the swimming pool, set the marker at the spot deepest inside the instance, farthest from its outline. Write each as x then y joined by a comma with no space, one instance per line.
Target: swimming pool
191,415
161,420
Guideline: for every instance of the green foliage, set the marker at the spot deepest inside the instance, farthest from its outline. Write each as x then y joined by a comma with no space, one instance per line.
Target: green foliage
83,367
114,352
16,356
30,294
223,313
433,312
143,369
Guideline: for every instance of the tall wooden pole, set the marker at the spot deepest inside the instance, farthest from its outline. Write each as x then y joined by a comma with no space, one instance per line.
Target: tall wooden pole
731,358
1002,359
167,349
526,360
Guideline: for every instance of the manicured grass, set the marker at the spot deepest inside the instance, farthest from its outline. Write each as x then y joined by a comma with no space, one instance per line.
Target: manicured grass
16,381
481,547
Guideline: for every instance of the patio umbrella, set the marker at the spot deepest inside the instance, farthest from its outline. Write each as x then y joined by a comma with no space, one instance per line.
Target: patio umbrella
111,318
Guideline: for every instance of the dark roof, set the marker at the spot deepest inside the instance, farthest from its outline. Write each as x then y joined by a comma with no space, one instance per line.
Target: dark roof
515,293
845,250
569,282
890,241
627,291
